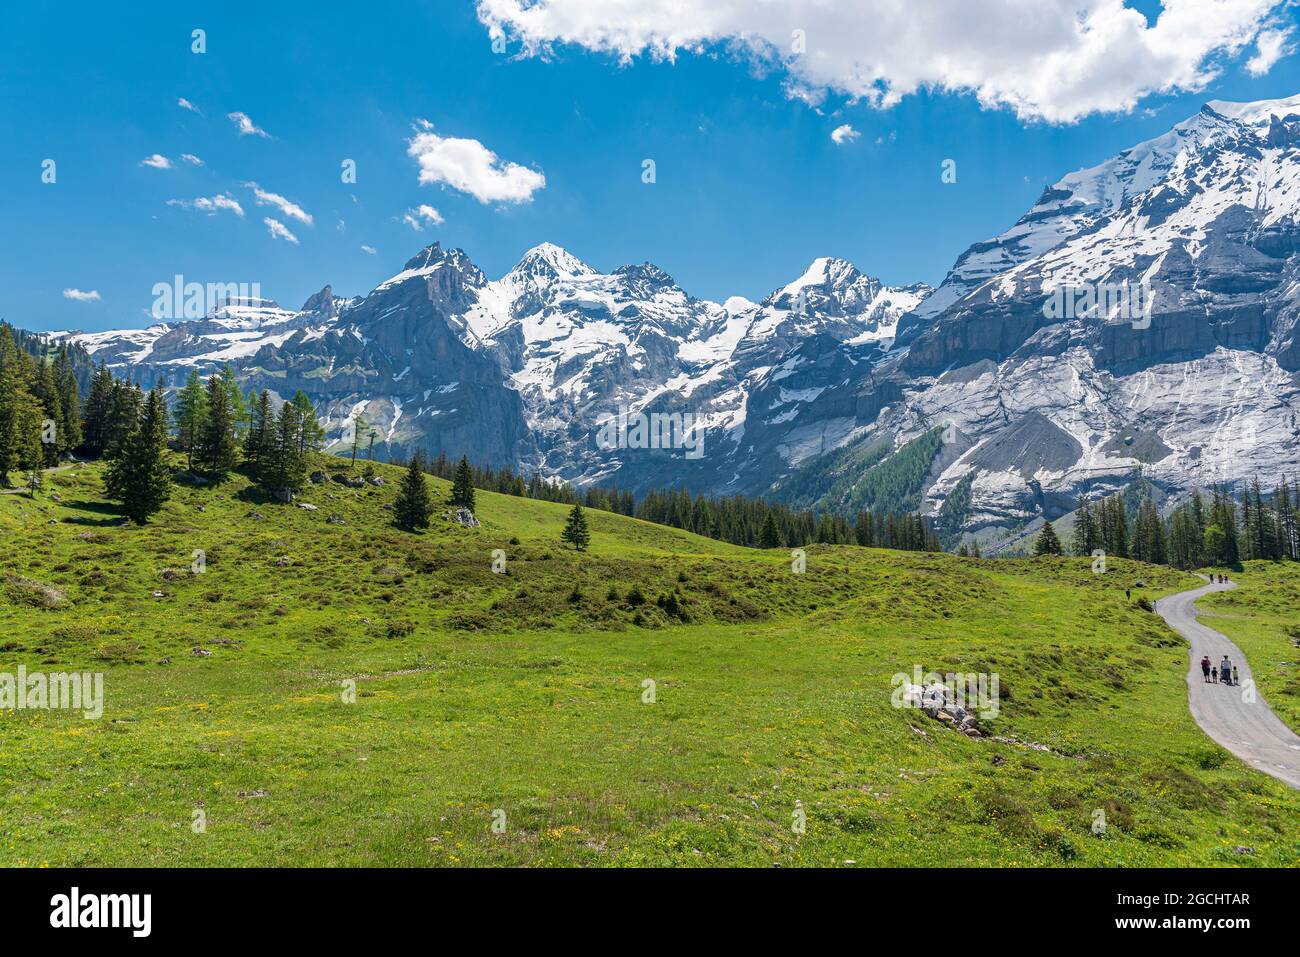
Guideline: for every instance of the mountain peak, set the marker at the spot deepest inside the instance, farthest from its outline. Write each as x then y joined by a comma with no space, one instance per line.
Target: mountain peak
553,258
425,257
647,273
1258,112
322,302
826,273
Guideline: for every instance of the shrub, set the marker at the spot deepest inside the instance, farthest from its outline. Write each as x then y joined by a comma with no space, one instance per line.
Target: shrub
28,591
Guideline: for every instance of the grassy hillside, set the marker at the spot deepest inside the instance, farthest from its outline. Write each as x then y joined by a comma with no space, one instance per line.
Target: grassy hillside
1262,615
523,692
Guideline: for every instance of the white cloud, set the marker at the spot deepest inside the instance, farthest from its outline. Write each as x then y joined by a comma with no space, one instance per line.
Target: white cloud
246,126
1054,60
80,295
844,134
287,207
191,159
421,216
469,166
369,249
185,104
157,161
210,204
1270,46
279,230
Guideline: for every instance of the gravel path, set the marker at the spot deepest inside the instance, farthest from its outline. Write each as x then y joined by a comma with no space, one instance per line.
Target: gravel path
1238,718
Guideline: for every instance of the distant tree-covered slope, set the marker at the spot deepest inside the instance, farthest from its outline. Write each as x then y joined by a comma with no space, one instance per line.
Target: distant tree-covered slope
863,476
83,366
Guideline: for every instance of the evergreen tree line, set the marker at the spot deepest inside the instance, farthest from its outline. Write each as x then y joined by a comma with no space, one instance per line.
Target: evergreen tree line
43,419
736,519
40,410
754,522
1223,531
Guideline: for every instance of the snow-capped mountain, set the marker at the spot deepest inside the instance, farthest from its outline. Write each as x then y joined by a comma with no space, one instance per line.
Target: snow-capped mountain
524,369
1200,388
1044,384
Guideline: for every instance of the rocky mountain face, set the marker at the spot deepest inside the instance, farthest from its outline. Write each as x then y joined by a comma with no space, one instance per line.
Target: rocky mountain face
1142,315
1045,403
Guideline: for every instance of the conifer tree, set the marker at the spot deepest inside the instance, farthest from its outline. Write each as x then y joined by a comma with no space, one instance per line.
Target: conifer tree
312,435
239,411
770,536
283,467
413,507
124,404
462,486
95,423
21,412
261,433
1085,537
139,477
69,398
47,396
191,415
575,531
358,424
217,442
1047,543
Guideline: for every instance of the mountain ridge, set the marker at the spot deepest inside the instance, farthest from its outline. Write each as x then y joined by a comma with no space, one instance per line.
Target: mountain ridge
1036,408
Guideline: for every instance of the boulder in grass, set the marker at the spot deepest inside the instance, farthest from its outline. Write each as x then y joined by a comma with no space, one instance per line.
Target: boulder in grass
462,516
310,508
319,478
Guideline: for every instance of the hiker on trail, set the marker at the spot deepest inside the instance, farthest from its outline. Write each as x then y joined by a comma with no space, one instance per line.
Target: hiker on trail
1205,668
1234,675
1214,675
1225,669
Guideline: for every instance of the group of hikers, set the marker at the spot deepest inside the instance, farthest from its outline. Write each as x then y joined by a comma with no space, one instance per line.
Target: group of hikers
1225,673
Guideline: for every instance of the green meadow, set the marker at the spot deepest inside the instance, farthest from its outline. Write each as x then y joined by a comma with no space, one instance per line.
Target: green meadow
318,688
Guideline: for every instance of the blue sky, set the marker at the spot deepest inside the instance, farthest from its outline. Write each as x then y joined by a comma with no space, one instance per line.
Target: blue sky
750,186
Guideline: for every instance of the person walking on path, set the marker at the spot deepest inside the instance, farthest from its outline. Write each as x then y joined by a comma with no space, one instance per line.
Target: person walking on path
1214,676
1225,670
1205,668
1234,674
